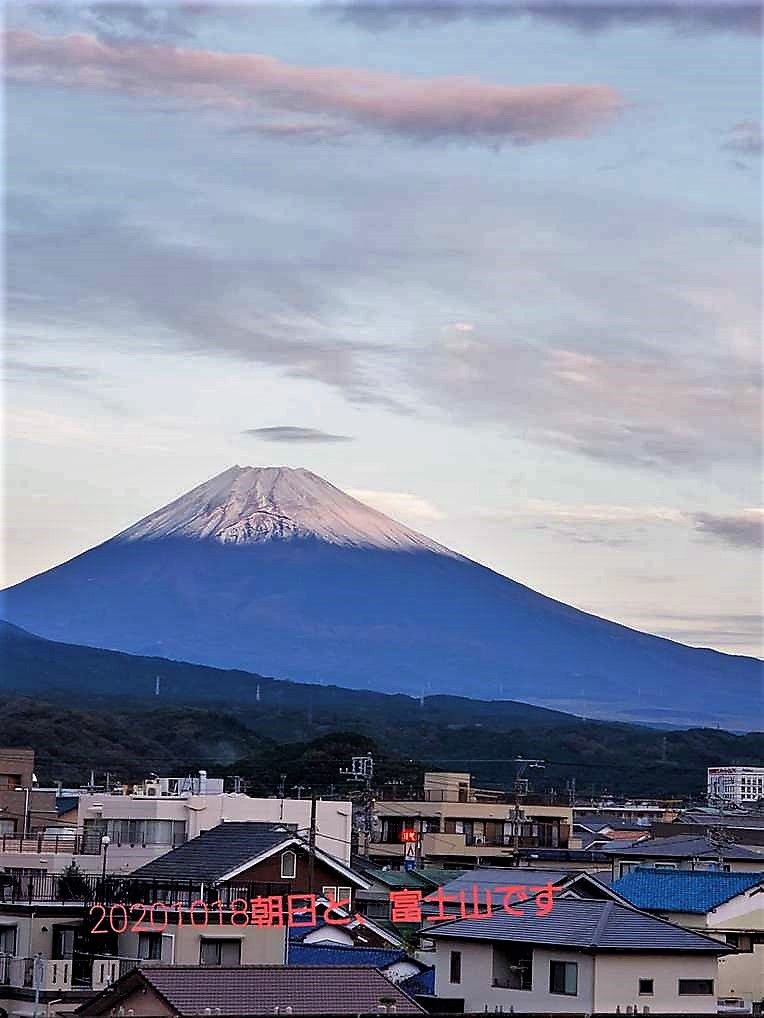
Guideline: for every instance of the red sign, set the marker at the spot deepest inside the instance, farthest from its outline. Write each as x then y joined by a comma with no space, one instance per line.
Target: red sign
408,835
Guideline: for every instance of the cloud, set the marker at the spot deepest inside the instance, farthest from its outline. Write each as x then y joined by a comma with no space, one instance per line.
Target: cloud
293,434
595,523
426,109
746,138
582,16
399,504
744,529
635,405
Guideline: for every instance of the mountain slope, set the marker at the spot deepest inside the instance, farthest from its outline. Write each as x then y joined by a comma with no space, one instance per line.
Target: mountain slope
52,698
276,570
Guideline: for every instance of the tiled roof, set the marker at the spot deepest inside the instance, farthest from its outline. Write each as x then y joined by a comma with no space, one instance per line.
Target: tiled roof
324,954
216,852
423,879
581,923
489,877
596,823
684,846
260,989
695,891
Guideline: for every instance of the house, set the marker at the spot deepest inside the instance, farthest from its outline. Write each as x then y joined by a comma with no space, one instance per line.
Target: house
584,956
180,991
729,906
270,857
457,824
684,851
358,931
745,825
592,832
375,902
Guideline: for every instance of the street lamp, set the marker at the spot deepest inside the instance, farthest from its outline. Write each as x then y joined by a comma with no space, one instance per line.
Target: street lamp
105,842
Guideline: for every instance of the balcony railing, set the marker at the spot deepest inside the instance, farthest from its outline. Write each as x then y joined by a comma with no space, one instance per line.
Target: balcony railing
41,843
66,974
87,889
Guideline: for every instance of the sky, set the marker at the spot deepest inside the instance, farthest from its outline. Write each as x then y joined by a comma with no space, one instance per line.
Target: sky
492,268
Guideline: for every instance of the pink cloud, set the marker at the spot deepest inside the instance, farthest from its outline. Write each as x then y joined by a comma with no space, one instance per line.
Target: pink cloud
424,108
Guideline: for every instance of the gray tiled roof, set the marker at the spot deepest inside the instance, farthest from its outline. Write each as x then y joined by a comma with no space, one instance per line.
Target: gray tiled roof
683,846
214,853
581,923
259,989
500,876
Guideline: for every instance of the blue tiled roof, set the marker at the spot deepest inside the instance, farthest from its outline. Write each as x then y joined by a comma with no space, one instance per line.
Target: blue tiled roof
422,983
695,891
374,957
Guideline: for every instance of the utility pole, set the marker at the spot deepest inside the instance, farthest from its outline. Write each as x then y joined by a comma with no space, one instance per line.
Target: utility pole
520,788
362,770
282,783
312,845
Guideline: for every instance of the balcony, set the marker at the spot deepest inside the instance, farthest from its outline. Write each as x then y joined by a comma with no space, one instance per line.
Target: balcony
64,975
40,844
84,889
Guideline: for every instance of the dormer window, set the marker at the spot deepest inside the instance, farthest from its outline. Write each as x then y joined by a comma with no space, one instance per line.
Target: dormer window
288,865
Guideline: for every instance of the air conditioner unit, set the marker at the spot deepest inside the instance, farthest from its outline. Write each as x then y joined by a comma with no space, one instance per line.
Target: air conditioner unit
479,839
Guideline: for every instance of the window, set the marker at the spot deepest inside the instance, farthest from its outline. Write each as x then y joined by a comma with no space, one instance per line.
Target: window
150,946
665,866
563,977
288,865
339,895
742,942
7,940
513,966
696,987
646,987
7,827
455,967
220,952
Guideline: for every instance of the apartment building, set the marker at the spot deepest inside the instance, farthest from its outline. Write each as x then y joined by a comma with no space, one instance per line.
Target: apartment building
457,824
132,826
739,786
24,807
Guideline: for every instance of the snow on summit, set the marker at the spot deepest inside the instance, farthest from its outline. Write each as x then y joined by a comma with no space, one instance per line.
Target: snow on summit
247,505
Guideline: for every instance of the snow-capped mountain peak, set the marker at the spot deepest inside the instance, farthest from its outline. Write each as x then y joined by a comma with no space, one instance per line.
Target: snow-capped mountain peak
247,505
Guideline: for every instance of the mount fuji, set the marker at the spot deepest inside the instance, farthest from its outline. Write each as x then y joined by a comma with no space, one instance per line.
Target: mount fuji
274,570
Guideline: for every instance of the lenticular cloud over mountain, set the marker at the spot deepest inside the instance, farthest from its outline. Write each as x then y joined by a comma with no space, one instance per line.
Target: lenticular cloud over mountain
274,570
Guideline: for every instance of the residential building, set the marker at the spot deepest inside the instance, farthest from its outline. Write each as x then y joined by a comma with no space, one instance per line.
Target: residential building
738,785
457,824
639,811
742,824
24,807
685,851
163,813
181,991
52,920
592,832
728,906
583,957
148,820
270,859
374,903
